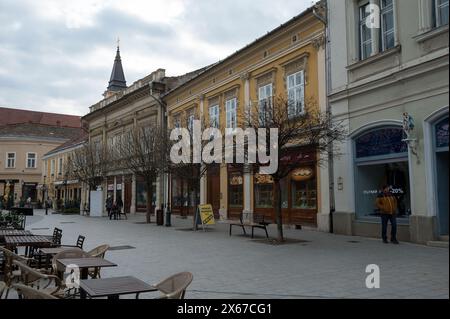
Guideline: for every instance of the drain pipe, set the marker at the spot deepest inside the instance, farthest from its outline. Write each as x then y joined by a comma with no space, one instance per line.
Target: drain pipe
323,6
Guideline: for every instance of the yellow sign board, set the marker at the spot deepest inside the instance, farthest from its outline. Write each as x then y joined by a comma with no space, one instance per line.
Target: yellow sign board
206,214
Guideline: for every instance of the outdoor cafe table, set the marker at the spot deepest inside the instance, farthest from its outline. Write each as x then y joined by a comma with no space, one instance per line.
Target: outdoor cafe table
84,264
114,287
53,250
14,232
12,242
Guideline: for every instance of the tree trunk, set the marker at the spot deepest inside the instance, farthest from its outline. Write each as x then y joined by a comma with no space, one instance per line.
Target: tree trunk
278,215
149,202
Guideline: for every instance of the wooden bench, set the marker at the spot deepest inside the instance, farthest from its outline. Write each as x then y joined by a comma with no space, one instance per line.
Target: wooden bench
258,222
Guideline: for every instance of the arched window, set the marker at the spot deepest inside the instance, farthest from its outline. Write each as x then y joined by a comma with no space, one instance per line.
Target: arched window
387,141
381,159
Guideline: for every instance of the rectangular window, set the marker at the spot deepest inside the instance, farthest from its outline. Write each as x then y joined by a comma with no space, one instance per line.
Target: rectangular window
265,103
52,167
190,123
230,108
387,25
264,195
10,160
31,160
214,116
365,34
441,12
296,94
60,164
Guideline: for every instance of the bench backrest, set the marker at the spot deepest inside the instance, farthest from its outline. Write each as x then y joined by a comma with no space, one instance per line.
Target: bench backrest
252,218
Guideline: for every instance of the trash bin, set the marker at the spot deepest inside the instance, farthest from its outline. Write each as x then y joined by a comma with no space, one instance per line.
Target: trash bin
168,213
159,217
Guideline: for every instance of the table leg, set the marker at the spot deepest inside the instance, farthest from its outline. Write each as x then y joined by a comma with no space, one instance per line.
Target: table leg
83,275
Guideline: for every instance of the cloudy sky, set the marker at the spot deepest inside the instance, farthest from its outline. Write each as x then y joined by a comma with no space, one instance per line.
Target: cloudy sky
57,55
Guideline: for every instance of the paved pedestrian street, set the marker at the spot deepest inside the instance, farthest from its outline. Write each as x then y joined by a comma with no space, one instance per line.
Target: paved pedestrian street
313,265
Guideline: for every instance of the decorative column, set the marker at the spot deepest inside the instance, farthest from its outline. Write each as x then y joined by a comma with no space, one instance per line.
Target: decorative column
115,189
122,189
133,195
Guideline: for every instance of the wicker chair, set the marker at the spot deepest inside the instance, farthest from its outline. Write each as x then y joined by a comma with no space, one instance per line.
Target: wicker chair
27,292
99,252
68,253
175,286
34,278
11,273
2,288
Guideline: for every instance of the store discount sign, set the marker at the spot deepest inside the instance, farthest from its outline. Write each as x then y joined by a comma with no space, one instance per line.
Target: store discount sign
206,214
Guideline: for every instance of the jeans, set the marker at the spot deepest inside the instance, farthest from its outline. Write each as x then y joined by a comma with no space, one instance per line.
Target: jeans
385,218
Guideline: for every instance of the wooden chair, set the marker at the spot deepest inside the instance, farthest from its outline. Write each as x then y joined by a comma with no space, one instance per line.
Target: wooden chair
34,278
68,253
99,252
175,286
79,244
10,272
27,292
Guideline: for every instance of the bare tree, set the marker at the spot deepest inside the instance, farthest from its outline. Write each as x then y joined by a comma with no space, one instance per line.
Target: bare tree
143,151
298,126
88,164
190,170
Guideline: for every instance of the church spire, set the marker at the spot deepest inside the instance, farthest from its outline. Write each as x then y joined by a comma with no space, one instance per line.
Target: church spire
117,81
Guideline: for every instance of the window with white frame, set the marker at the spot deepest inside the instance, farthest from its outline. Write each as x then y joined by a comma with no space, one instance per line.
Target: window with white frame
52,167
383,30
10,160
365,33
440,13
214,116
265,103
60,164
31,160
387,25
230,109
296,93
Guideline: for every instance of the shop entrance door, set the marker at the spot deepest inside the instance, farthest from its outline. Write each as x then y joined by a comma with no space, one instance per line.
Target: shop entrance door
214,189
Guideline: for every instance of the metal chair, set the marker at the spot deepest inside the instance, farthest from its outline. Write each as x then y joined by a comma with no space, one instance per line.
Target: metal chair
27,292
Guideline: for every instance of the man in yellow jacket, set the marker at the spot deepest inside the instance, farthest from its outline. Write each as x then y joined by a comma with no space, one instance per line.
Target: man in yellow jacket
387,204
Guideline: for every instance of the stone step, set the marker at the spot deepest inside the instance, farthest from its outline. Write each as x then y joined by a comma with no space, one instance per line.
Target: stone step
438,244
443,238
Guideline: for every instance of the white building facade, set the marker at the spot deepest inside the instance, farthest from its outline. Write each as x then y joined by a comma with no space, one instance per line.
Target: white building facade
380,72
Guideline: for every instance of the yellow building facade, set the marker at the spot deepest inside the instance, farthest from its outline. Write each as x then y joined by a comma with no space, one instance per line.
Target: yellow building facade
288,62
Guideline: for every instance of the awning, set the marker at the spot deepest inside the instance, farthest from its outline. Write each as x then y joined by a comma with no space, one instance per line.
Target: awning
71,182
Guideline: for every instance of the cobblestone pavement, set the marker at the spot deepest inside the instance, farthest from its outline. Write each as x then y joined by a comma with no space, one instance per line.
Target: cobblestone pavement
323,266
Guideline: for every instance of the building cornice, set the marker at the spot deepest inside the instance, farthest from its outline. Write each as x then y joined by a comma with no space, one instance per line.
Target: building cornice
415,68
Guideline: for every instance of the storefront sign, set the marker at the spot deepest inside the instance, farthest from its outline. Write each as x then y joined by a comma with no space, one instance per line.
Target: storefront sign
263,179
111,187
302,174
236,180
206,214
119,187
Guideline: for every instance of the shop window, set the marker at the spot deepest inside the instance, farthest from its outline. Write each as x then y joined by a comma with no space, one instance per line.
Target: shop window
235,190
441,134
304,189
381,160
263,191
